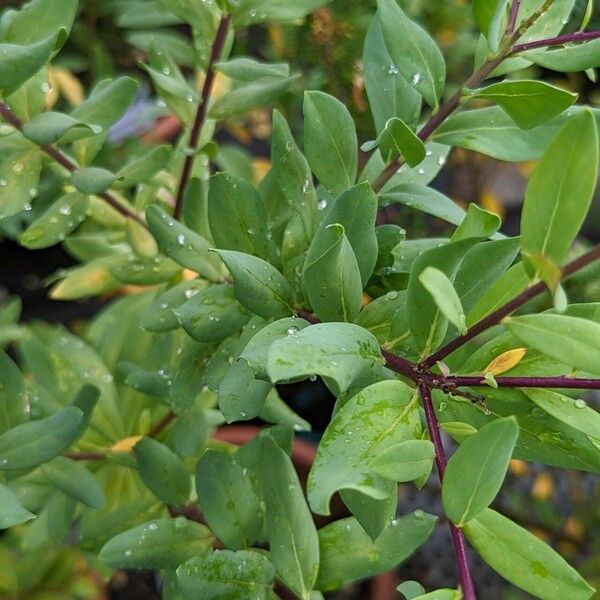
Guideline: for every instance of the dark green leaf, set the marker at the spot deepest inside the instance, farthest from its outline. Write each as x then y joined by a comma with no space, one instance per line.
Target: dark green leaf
13,395
249,12
242,68
92,180
569,58
54,127
490,16
11,511
142,169
398,139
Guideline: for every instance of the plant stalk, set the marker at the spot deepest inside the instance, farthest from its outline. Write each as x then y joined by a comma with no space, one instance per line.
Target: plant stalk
578,36
458,540
559,382
514,13
62,159
201,112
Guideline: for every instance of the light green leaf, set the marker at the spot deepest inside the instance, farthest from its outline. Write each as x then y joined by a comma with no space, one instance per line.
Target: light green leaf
413,52
405,461
228,500
349,554
490,16
92,180
265,90
249,12
11,511
237,216
243,68
575,413
529,103
398,139
56,222
13,394
389,93
258,285
331,276
158,544
569,58
31,444
145,272
243,575
477,469
378,417
560,190
54,127
183,245
444,295
342,352
162,471
570,340
212,314
523,559
142,169
330,141
478,223
292,534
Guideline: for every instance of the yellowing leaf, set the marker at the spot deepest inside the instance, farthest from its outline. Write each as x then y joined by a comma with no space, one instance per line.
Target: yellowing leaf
506,361
63,83
126,444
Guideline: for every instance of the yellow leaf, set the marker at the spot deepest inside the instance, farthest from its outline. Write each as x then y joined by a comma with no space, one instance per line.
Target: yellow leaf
126,444
506,361
260,167
63,82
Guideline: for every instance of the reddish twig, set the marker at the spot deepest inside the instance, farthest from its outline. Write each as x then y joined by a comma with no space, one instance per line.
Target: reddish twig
577,36
458,540
514,13
200,118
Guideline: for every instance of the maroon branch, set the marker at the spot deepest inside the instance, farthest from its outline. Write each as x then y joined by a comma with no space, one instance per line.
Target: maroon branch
514,13
559,382
578,36
62,159
458,540
217,49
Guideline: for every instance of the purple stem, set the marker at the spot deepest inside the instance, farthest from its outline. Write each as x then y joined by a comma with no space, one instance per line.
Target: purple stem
62,159
200,118
495,317
578,36
514,13
458,540
519,382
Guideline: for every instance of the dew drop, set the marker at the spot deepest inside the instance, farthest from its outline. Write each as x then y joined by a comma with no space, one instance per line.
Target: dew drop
580,404
416,78
292,330
322,204
393,70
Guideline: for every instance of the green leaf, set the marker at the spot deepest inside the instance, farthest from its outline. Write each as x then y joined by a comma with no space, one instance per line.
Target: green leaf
249,12
13,394
406,461
142,169
490,16
256,351
228,500
330,141
411,589
570,340
425,199
31,444
56,222
241,395
476,224
389,93
144,272
523,559
160,315
444,295
427,323
575,413
162,471
560,190
342,352
292,534
20,62
529,103
183,245
92,180
265,90
243,68
54,127
331,276
349,554
413,52
140,239
380,416
477,469
356,210
158,544
243,575
212,314
237,216
568,59
398,139
75,480
258,285
11,511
